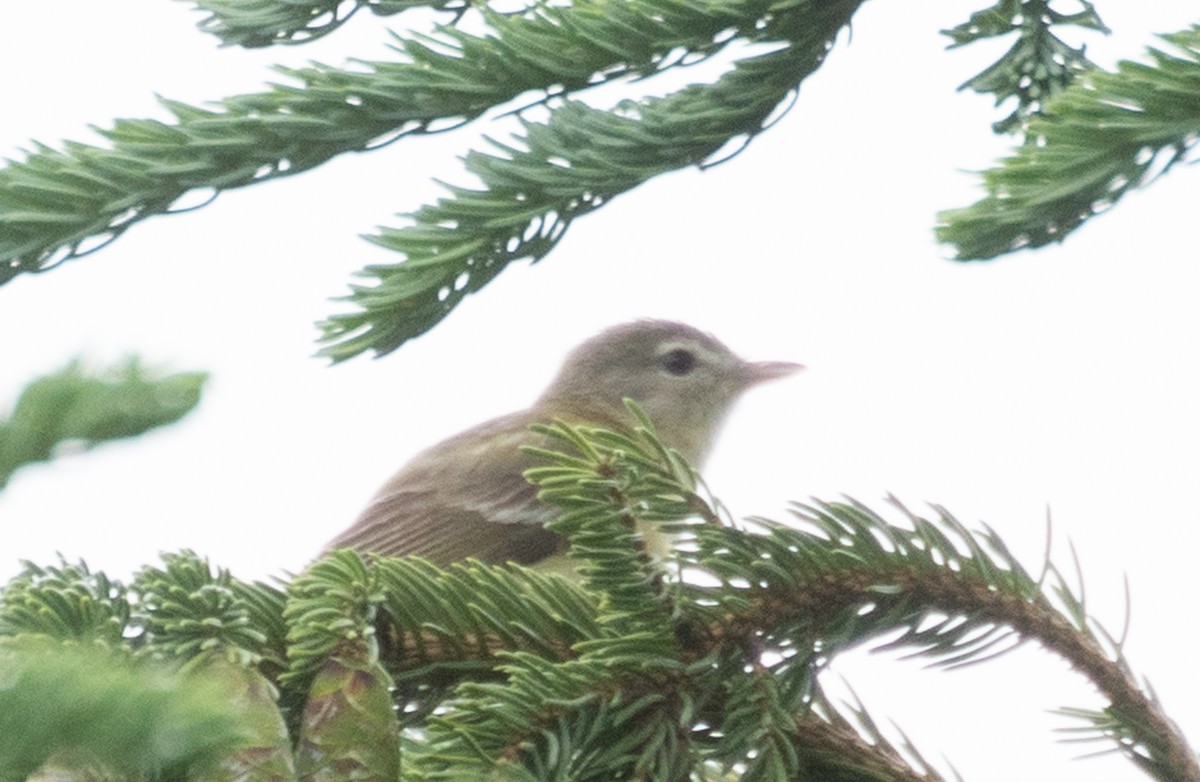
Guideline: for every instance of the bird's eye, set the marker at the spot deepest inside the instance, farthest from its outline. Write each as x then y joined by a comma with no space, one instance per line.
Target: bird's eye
679,361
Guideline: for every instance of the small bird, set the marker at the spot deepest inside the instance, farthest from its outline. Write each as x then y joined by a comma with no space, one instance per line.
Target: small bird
467,497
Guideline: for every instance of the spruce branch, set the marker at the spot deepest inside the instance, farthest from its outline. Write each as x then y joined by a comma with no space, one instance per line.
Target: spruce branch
330,611
844,577
589,719
626,675
556,171
833,749
1038,66
610,486
56,205
80,408
437,629
87,707
673,701
221,632
848,576
638,674
58,199
187,611
757,726
774,721
255,23
66,602
460,613
1104,136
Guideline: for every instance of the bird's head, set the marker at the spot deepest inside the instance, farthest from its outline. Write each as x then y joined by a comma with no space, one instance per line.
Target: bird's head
685,380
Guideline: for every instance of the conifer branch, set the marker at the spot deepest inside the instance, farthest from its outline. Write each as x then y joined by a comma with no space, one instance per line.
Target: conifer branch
255,23
848,576
56,205
330,612
58,199
348,730
559,715
76,408
83,707
516,675
1038,66
186,611
559,170
437,629
1104,136
608,486
66,602
223,633
830,748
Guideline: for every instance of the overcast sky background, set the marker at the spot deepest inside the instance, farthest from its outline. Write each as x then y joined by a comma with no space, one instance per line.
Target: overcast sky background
1064,379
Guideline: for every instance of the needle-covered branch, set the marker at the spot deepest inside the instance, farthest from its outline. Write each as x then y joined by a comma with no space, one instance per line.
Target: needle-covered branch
60,204
706,663
68,708
53,201
77,408
1037,66
1104,136
254,23
847,576
556,171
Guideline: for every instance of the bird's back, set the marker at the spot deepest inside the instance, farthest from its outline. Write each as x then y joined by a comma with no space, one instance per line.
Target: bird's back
465,497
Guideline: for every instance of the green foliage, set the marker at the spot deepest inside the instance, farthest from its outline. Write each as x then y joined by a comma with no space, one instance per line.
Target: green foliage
615,483
76,408
705,666
331,611
683,676
349,730
224,633
185,610
81,705
56,205
1038,66
65,602
253,23
1106,135
582,157
60,204
619,702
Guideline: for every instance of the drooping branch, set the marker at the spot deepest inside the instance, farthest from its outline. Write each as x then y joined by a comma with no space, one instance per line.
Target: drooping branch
958,597
1037,66
1106,135
60,204
572,164
55,200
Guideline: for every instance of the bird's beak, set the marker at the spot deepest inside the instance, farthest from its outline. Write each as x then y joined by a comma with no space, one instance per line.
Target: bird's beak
755,372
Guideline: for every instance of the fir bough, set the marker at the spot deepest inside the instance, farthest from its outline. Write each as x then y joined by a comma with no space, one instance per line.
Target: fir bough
1106,135
568,159
705,665
79,408
1038,65
82,706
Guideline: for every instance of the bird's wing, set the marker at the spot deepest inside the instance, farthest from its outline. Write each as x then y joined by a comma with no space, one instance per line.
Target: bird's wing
465,497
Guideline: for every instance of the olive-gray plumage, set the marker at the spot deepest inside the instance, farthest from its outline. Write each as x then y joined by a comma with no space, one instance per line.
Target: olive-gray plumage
467,497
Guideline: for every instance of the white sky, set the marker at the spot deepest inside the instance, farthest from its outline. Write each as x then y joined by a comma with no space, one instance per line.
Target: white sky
1062,379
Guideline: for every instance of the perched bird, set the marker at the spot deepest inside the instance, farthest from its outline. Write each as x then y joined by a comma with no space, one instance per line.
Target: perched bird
466,497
